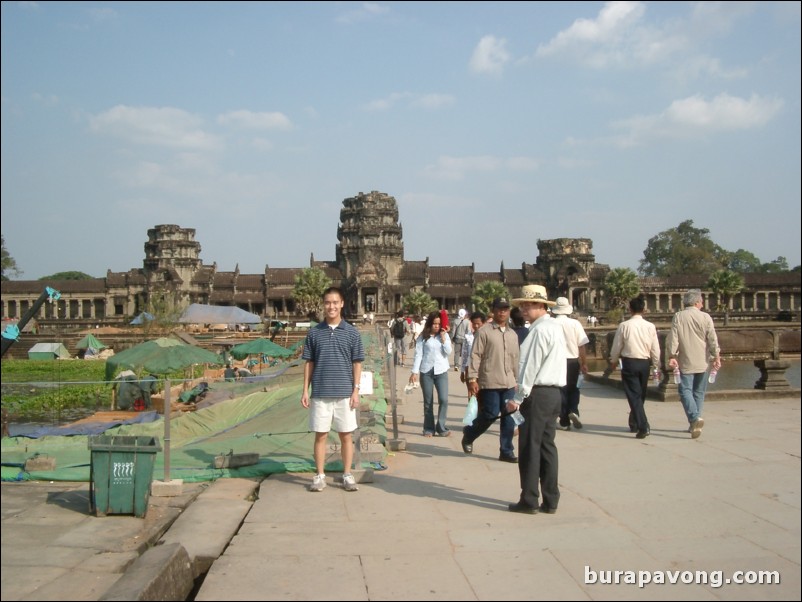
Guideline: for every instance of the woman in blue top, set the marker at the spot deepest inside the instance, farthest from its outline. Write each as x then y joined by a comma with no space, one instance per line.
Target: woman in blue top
432,349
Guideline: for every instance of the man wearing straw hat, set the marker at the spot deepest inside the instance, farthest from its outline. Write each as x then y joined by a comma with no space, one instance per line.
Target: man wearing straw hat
541,374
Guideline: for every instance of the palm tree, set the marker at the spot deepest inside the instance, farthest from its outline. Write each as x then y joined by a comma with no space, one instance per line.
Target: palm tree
485,292
419,303
725,284
620,285
308,291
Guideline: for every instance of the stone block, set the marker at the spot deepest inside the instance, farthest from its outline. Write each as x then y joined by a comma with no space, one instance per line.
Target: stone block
40,463
170,488
396,444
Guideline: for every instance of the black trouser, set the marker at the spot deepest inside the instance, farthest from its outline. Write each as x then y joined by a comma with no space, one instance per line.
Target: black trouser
537,451
570,392
635,378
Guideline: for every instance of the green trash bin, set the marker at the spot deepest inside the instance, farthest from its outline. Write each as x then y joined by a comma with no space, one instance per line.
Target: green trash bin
120,474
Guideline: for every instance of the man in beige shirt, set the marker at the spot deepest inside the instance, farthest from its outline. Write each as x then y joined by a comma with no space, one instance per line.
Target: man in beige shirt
492,377
636,343
692,344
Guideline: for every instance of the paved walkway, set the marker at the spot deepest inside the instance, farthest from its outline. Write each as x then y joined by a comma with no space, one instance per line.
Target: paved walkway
435,525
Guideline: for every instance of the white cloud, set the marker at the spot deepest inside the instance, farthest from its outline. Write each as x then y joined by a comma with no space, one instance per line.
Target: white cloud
608,29
158,126
695,116
490,55
383,104
433,101
416,101
257,121
621,36
50,100
364,12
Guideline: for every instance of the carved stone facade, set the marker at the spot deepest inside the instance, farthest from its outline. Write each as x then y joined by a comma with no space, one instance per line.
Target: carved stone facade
370,268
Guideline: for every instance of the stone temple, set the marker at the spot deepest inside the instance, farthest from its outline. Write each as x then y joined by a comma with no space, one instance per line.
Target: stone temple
369,266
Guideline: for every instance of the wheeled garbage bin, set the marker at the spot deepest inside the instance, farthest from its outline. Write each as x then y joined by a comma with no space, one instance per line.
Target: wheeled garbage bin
120,473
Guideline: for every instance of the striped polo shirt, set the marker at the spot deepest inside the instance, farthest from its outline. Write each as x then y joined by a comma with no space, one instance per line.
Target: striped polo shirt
333,351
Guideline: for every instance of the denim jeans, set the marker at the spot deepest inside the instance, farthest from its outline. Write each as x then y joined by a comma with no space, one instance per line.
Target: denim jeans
692,388
428,382
492,402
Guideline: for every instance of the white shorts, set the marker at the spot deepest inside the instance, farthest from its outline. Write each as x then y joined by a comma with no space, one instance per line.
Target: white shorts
328,412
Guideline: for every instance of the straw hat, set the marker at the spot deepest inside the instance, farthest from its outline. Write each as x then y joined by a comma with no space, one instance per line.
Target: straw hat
533,293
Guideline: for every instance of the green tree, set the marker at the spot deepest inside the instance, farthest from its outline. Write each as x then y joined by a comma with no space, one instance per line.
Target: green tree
9,264
419,303
775,267
725,284
620,285
681,251
308,292
68,276
743,262
485,292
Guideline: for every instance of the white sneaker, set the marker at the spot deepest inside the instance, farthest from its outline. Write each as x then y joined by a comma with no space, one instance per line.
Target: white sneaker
318,483
349,483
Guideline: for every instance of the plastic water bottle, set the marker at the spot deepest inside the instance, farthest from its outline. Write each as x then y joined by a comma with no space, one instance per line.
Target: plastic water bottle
677,376
656,376
580,381
517,417
712,376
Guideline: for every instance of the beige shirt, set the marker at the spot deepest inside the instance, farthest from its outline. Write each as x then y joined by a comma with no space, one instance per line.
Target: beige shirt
637,339
494,357
692,340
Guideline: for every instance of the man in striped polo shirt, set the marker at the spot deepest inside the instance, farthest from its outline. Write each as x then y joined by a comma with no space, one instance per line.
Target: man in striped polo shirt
334,354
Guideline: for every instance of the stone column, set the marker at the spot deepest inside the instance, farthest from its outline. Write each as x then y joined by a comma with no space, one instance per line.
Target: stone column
772,374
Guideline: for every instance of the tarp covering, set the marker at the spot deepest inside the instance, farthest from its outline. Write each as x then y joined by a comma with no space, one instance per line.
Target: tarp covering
260,346
159,356
142,318
270,423
90,342
247,418
48,351
198,313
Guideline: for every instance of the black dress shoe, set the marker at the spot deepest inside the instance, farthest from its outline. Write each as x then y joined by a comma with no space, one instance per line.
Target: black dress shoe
510,459
522,508
467,447
547,510
642,434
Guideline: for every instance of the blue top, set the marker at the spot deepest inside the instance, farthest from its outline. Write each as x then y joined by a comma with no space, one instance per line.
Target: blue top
431,353
333,350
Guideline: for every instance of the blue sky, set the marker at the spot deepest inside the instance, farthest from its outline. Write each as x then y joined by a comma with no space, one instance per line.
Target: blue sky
492,124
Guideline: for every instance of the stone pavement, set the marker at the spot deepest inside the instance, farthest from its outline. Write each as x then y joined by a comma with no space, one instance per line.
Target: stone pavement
435,524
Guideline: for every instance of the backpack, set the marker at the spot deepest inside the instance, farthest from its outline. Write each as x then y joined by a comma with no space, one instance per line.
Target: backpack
399,329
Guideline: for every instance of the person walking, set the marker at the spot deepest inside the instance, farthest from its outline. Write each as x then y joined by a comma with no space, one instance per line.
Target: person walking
636,344
541,374
432,350
492,374
692,345
459,329
577,363
334,354
477,320
399,329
